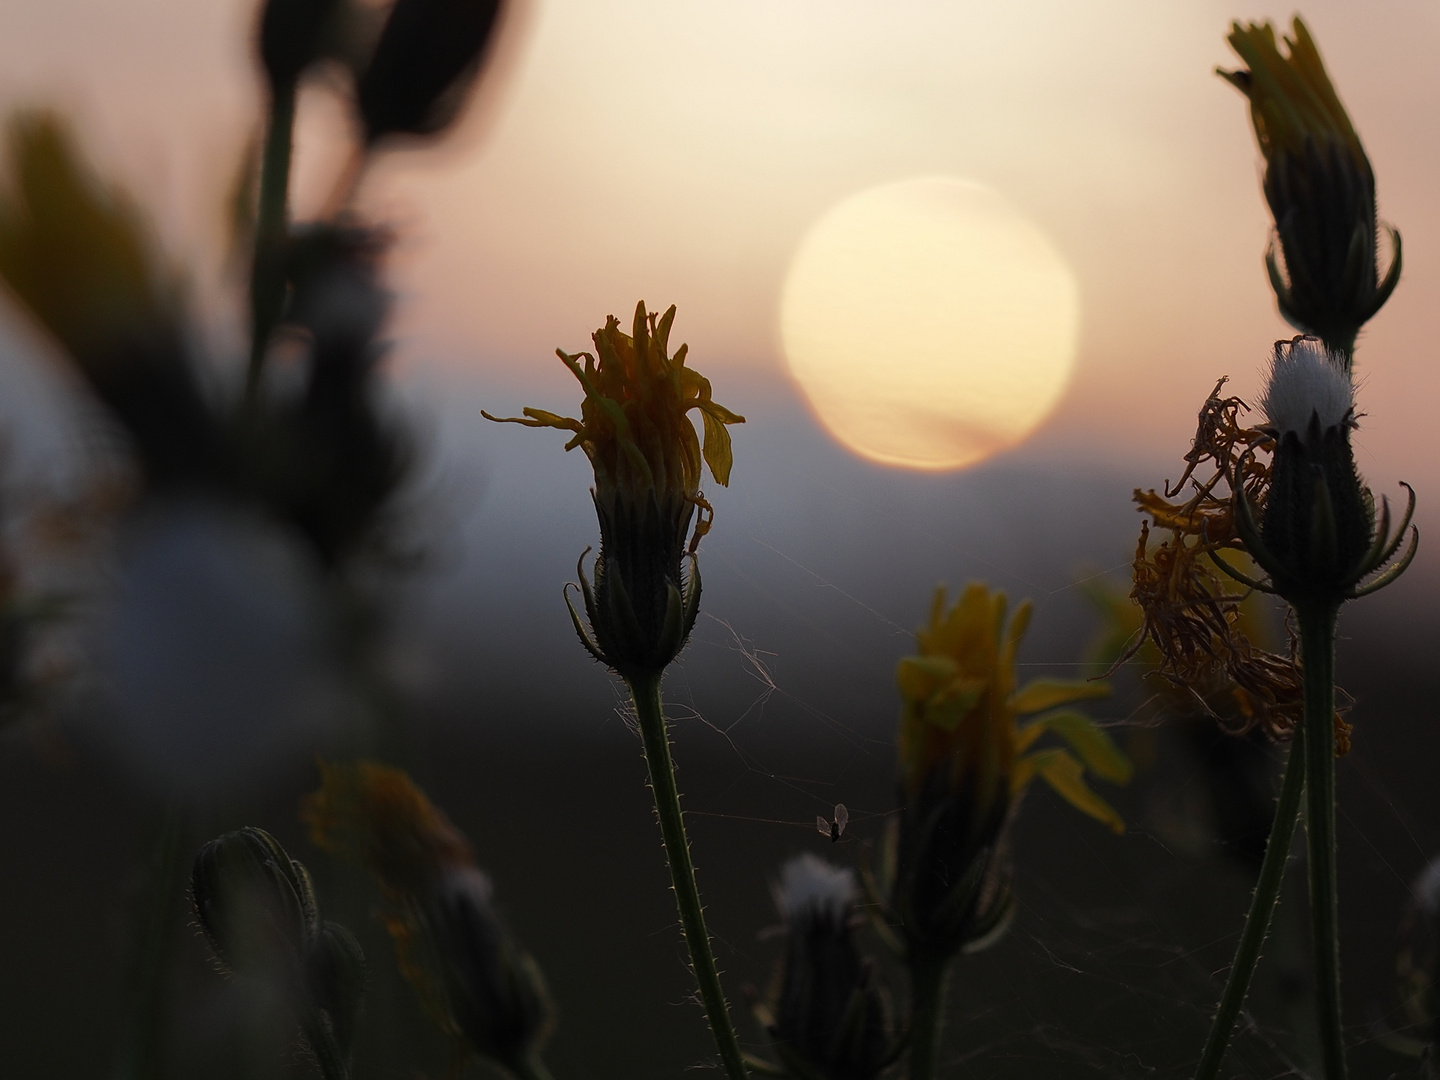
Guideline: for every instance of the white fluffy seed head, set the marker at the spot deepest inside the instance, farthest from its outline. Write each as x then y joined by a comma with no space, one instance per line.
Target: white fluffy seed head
1306,380
811,886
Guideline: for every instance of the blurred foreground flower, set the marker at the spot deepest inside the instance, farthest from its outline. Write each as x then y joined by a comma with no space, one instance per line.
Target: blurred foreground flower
966,755
258,911
635,428
472,976
1320,188
828,1019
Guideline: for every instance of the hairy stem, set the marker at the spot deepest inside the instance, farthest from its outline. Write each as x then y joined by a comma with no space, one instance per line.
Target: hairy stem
267,273
1262,911
656,739
1317,652
928,976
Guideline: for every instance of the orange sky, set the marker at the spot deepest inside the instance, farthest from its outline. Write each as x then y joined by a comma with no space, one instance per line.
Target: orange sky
678,151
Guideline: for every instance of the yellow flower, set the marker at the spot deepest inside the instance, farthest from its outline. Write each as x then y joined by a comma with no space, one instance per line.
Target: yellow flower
636,430
968,728
471,976
1320,187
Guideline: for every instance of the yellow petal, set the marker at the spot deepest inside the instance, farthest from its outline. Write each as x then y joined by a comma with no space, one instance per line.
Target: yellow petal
1042,694
1095,748
1067,777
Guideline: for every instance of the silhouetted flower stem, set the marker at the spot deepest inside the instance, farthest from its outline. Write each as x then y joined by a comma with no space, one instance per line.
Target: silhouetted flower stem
531,1068
1317,649
321,1038
169,869
656,739
1262,912
267,282
928,976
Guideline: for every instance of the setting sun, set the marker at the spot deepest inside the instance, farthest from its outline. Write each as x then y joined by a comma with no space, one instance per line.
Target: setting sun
929,323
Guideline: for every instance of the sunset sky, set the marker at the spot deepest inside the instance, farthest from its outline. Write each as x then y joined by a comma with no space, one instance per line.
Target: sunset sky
680,151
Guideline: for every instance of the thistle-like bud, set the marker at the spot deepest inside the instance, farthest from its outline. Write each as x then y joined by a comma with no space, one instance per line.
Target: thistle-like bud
635,428
1318,525
496,993
291,37
1320,188
424,65
830,1020
254,903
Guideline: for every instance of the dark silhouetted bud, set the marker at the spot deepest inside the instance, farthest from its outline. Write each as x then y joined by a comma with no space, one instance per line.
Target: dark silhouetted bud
292,34
1320,188
254,903
1318,525
347,461
424,65
830,1020
496,993
335,981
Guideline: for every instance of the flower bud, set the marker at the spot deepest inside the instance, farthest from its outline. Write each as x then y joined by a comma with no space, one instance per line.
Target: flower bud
831,1022
428,56
636,431
254,903
496,994
1319,185
335,981
1318,524
291,37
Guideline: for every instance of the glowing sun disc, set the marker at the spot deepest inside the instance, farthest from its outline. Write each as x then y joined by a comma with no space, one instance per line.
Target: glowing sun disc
929,323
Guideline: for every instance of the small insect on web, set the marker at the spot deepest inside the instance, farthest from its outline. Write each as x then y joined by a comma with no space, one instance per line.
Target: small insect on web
834,828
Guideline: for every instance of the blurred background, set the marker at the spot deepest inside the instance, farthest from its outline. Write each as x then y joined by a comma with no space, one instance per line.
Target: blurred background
692,154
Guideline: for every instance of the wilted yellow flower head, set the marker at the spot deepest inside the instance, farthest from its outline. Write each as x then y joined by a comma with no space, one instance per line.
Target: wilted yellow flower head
635,428
375,815
1319,184
964,728
471,975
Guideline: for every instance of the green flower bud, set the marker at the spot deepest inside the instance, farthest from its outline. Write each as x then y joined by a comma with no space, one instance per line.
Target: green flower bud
424,65
254,903
495,991
1320,187
830,1020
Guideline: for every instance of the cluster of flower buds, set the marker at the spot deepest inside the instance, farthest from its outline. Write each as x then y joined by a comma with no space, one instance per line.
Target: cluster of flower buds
1320,187
411,77
827,1018
472,976
258,911
965,758
635,428
1318,538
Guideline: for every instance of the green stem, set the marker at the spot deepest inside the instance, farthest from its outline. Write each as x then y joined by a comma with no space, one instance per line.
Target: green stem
1262,910
142,1053
928,977
531,1068
322,1044
656,739
267,274
1317,653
